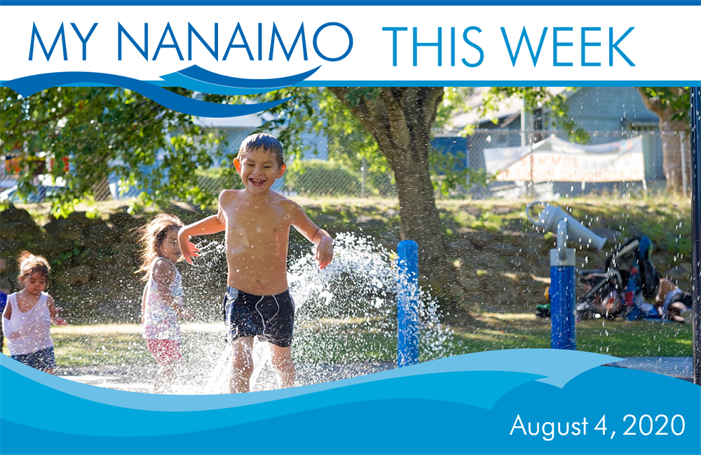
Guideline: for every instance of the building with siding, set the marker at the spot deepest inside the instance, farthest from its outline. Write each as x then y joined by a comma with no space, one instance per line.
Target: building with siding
608,114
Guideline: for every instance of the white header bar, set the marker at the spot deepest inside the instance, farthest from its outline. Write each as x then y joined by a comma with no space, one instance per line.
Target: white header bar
363,45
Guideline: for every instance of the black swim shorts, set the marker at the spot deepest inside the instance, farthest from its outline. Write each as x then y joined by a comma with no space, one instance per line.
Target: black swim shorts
269,317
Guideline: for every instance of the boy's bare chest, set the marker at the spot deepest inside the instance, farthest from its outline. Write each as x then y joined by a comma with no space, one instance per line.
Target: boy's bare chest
257,222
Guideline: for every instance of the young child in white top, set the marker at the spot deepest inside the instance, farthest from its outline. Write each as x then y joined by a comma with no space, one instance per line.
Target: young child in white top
162,301
29,314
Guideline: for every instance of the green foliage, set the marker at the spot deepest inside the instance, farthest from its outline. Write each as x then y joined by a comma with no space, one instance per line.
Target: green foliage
67,256
323,177
214,179
103,131
214,172
453,101
534,98
675,98
449,173
350,143
100,131
317,110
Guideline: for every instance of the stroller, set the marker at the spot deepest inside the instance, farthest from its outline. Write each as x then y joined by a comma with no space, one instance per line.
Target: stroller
605,288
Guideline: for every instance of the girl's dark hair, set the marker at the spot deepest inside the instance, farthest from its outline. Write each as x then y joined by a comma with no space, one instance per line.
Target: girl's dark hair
151,237
30,264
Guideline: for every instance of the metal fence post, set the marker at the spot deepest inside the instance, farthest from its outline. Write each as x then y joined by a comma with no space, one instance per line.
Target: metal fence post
408,303
695,117
363,165
684,178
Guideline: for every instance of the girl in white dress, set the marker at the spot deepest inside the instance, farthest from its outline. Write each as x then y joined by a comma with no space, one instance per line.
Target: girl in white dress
162,301
28,316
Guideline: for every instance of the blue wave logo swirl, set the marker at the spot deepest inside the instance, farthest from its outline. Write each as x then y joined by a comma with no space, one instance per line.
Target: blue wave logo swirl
192,78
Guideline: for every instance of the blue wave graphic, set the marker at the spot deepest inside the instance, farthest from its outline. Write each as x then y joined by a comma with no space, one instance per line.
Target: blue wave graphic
493,373
555,367
192,78
463,404
178,80
201,74
27,86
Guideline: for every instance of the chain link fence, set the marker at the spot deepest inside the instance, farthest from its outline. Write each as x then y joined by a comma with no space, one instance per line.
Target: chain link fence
329,178
321,178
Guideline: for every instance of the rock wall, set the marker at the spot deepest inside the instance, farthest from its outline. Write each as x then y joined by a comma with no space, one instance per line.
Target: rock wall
93,261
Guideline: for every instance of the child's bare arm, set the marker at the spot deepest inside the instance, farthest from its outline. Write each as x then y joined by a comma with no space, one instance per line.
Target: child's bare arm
660,295
163,275
55,319
319,237
210,225
143,305
7,314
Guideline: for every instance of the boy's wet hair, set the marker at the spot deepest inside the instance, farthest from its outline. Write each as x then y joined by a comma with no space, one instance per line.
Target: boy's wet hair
29,264
267,142
151,237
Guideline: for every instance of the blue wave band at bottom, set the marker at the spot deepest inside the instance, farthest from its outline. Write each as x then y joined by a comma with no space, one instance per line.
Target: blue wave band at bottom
434,424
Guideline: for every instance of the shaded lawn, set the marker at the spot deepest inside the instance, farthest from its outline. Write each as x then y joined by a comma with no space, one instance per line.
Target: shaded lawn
616,338
122,344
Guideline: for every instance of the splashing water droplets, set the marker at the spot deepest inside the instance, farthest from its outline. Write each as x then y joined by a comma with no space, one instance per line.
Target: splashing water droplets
345,318
345,322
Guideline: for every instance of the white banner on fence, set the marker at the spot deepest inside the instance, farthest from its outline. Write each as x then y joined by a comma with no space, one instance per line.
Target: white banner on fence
556,160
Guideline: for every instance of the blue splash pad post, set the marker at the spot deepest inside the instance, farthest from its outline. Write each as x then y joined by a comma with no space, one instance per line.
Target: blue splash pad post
562,292
408,303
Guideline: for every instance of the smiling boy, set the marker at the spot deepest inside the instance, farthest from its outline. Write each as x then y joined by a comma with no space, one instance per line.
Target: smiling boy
257,223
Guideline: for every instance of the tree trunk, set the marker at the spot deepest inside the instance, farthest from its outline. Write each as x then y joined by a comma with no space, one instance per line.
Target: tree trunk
400,120
419,216
671,136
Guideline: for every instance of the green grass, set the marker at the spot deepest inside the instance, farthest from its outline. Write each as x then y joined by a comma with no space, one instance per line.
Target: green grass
122,344
93,350
616,338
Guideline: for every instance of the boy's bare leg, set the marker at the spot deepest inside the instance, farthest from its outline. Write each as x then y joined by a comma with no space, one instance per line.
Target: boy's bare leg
241,365
283,366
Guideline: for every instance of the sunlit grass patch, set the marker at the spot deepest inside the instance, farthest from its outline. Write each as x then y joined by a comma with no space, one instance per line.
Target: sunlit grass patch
73,348
617,338
353,339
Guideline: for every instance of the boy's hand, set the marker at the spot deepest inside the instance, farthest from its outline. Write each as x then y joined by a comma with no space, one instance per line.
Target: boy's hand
324,252
187,249
59,321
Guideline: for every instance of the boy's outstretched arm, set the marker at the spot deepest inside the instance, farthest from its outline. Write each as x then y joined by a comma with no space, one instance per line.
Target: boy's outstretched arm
324,247
319,237
209,225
